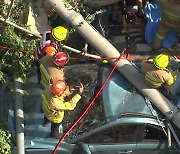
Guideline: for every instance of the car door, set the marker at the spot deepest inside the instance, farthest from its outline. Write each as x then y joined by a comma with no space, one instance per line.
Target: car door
154,141
119,139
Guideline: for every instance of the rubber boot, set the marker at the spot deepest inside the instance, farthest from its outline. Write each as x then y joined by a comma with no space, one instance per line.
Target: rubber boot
56,132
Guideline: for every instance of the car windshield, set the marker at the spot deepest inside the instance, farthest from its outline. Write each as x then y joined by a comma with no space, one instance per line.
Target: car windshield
121,97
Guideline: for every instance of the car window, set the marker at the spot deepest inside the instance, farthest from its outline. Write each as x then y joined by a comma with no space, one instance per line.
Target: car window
152,132
116,134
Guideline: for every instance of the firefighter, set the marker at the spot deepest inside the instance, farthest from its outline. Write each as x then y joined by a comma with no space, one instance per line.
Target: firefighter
51,68
54,105
48,44
157,72
170,20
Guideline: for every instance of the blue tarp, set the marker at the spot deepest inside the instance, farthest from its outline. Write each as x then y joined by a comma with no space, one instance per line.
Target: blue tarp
153,14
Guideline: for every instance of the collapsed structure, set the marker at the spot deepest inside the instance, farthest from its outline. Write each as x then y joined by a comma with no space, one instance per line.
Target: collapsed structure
124,66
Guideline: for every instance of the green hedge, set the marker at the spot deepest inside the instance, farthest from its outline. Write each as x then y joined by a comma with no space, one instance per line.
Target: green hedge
6,144
5,147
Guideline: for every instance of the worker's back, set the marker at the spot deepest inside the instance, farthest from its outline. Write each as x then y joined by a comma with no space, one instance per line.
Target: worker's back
49,71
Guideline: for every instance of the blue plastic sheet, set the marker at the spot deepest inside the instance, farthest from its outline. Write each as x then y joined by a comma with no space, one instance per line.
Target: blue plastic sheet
153,14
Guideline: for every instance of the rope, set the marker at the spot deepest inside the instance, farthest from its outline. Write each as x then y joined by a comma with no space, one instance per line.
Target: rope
9,48
89,106
127,57
111,58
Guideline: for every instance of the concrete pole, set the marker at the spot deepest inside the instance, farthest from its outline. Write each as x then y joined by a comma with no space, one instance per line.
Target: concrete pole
19,116
125,67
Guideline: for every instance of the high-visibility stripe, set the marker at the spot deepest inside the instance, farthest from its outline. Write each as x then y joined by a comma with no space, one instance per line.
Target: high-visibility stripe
170,81
153,81
43,84
171,25
45,78
171,15
161,37
51,115
45,102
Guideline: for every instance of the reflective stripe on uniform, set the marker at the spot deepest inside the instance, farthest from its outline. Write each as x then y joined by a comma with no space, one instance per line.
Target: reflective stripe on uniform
45,103
161,37
153,81
169,24
45,78
51,116
171,15
170,81
43,84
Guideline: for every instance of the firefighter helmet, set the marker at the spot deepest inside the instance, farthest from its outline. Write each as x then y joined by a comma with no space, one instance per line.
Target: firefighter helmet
60,59
58,87
161,61
49,50
59,33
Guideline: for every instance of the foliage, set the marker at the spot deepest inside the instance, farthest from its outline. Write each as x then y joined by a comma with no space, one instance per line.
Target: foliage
77,6
71,4
6,145
14,63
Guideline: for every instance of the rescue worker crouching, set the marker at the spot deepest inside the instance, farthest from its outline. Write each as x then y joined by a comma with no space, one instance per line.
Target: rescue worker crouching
170,19
49,41
53,105
51,68
158,74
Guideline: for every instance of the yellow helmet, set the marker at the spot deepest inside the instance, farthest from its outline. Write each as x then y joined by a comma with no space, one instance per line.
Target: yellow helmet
59,33
161,61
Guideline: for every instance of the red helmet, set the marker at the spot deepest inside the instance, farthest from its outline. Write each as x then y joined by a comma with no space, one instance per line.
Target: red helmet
60,58
58,87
